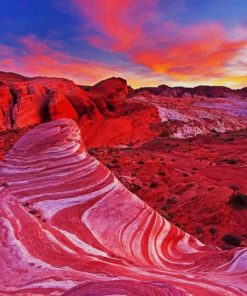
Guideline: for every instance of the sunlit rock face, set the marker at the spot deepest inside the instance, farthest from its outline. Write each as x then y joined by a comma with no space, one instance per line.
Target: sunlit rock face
68,226
28,102
33,101
6,105
109,93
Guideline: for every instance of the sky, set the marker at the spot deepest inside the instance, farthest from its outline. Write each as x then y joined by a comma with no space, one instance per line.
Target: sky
147,42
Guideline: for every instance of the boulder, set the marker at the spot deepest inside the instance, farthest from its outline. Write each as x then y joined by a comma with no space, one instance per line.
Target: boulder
109,94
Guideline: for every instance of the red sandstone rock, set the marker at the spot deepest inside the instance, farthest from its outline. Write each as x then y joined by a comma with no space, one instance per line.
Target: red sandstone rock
6,102
60,107
109,94
67,222
190,182
27,103
30,105
32,98
131,126
125,287
9,77
77,96
201,112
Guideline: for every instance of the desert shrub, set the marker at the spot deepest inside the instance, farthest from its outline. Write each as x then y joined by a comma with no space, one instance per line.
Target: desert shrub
234,187
228,140
230,161
232,240
115,160
153,184
91,151
171,200
199,230
162,173
213,230
238,201
171,215
164,134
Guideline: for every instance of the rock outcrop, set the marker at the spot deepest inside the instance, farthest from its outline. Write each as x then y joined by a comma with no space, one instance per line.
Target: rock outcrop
68,225
8,77
124,113
33,101
28,102
6,104
109,94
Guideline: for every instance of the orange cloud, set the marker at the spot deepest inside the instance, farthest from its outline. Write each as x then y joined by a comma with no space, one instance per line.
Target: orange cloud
204,54
37,58
184,52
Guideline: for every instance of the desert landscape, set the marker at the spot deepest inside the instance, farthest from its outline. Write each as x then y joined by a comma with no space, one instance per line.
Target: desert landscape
123,148
159,194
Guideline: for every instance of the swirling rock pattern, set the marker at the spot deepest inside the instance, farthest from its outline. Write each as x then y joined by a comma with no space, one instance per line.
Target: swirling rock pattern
68,226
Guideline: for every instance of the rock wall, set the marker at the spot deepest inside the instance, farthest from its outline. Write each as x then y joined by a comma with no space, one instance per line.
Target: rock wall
34,101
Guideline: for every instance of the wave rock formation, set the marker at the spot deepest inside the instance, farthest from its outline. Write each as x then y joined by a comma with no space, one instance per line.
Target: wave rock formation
69,227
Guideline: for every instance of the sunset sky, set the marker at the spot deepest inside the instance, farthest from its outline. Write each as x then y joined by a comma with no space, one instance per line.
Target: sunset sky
148,42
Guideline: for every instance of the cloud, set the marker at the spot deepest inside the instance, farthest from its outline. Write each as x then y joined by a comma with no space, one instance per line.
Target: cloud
33,57
117,24
147,37
198,53
36,58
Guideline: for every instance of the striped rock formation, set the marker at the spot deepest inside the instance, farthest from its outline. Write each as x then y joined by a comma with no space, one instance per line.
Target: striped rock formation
69,227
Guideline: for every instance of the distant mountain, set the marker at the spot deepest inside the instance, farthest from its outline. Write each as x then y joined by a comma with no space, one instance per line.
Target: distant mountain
198,91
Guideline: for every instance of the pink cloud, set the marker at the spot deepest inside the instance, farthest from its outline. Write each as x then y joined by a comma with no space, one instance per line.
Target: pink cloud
135,28
120,22
37,58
